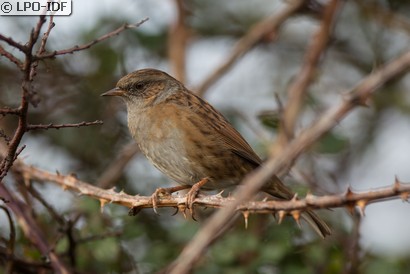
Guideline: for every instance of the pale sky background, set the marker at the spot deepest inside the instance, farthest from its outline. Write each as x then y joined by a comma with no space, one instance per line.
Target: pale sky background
386,225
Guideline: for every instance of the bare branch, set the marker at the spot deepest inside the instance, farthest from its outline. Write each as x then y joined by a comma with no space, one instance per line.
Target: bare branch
268,26
302,81
52,126
7,110
11,57
90,44
51,25
11,242
13,43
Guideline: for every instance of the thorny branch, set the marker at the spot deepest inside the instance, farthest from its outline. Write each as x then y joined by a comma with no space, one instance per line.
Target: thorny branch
348,199
268,26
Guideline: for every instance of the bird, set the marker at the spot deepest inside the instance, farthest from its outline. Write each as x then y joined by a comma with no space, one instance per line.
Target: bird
190,141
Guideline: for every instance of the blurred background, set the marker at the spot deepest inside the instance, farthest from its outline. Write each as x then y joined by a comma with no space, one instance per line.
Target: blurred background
367,150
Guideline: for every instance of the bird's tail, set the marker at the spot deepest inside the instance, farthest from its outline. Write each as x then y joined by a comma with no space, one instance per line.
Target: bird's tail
277,189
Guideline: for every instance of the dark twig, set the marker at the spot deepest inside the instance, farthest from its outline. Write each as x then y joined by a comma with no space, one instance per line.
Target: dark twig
11,57
52,126
90,44
11,241
44,39
13,43
31,230
7,111
91,238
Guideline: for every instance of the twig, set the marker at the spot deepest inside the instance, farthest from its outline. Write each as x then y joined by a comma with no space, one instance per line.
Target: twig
90,44
52,126
11,242
254,181
13,43
299,86
7,110
26,92
31,230
51,25
99,237
270,26
11,57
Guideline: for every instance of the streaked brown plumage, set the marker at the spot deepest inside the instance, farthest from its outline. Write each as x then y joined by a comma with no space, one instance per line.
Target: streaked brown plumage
187,139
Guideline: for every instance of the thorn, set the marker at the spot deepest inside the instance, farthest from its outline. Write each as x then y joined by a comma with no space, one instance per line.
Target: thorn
275,216
296,216
134,211
102,204
265,199
349,193
397,184
294,198
246,216
282,215
73,175
220,194
176,211
405,196
309,198
361,204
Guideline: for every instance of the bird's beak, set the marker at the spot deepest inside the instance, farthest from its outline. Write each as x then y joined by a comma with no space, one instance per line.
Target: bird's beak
114,92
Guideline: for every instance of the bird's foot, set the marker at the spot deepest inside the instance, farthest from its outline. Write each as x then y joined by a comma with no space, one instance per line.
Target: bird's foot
160,192
192,194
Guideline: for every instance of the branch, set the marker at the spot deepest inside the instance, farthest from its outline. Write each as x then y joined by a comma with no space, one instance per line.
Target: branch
31,230
52,126
11,57
7,110
254,181
302,81
13,43
90,44
268,26
348,199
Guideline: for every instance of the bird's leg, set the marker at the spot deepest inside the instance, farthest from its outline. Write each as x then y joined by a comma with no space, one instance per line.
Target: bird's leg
163,192
192,193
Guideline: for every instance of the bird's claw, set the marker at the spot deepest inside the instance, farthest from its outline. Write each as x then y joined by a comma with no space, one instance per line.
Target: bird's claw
155,197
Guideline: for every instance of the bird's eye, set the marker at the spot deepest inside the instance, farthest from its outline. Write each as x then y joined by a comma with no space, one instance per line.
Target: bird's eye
138,86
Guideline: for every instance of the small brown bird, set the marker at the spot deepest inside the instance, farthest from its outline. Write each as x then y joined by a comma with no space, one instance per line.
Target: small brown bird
190,141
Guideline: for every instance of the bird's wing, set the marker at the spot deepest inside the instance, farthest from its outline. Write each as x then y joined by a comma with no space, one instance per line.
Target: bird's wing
228,134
